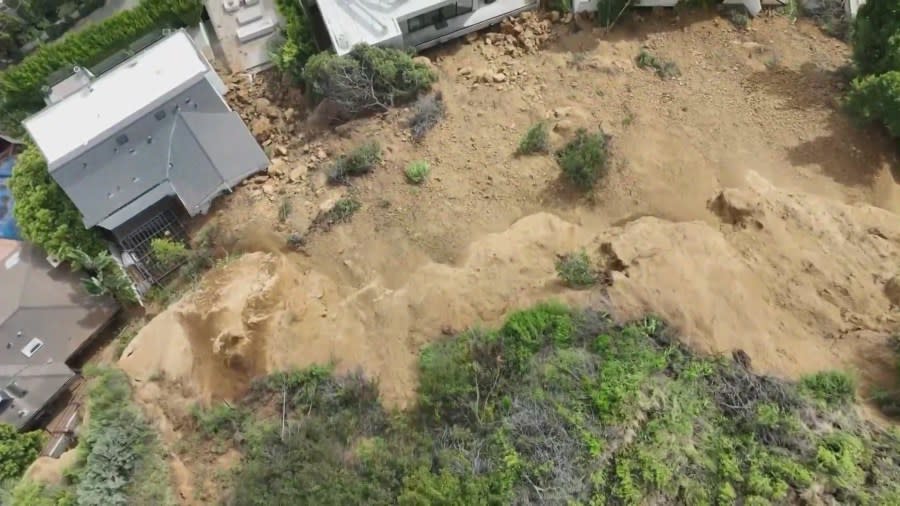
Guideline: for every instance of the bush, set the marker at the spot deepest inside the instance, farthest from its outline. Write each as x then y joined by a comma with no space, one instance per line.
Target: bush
20,85
876,37
583,160
575,270
119,456
417,171
877,98
17,450
218,420
361,160
45,215
297,44
365,80
427,112
341,212
875,94
167,251
665,69
105,277
536,140
831,387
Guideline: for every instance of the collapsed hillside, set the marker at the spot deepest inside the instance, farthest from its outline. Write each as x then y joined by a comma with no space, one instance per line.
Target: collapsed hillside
560,407
795,281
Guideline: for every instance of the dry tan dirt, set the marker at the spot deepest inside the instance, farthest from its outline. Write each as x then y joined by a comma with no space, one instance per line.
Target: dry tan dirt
741,205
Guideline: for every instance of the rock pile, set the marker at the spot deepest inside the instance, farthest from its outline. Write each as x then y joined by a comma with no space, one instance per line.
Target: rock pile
520,35
272,124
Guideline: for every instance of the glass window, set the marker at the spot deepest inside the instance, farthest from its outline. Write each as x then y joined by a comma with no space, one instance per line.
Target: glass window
437,17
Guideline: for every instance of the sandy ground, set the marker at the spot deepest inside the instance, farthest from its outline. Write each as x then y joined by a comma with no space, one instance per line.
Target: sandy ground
742,206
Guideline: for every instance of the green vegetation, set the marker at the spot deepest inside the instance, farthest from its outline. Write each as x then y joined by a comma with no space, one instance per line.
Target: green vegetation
17,450
575,270
366,79
361,160
45,215
104,276
830,387
584,159
536,140
341,212
875,94
167,251
417,171
20,85
557,407
285,208
609,12
297,44
665,69
119,460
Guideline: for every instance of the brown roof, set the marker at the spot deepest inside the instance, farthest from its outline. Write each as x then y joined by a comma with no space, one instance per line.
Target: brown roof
44,313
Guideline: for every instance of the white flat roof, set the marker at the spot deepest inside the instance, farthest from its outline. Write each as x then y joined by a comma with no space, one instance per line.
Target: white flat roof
72,124
352,22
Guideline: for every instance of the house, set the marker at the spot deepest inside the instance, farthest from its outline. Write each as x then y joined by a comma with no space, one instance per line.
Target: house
409,23
46,319
145,143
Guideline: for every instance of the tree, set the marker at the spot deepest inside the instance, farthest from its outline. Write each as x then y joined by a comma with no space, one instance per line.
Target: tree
44,213
875,94
17,451
11,28
366,79
876,37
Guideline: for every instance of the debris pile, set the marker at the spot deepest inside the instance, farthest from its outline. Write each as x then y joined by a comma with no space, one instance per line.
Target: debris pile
272,124
524,34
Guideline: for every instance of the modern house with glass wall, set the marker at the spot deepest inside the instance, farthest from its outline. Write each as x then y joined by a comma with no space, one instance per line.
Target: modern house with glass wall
409,23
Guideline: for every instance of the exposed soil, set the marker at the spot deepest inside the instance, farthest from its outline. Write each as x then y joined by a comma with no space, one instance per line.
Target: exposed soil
742,206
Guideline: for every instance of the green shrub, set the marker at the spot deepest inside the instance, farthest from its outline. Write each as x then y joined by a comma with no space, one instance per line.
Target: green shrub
297,42
876,98
536,140
219,420
575,270
417,171
167,251
361,160
17,450
665,69
366,79
33,493
876,37
609,12
20,85
105,277
583,160
119,455
45,215
831,387
341,212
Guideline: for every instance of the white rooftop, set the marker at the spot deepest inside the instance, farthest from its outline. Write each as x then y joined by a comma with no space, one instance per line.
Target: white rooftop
69,126
352,22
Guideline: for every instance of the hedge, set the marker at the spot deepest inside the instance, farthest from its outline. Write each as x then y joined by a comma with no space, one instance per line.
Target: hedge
21,85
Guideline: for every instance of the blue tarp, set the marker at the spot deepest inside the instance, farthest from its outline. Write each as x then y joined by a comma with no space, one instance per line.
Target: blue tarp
8,229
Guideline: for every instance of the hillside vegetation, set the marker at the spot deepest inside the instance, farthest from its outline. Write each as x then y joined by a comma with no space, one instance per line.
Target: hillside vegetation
558,406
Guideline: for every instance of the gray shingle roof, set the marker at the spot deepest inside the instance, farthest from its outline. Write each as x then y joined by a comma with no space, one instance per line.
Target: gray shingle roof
48,304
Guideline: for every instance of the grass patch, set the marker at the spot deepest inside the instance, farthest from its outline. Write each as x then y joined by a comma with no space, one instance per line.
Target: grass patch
417,171
584,159
665,69
575,270
361,160
285,208
536,140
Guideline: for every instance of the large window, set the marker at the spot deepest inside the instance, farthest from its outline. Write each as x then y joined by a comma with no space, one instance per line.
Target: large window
438,17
